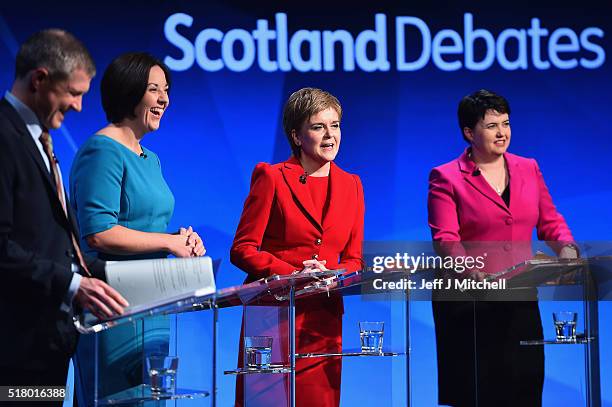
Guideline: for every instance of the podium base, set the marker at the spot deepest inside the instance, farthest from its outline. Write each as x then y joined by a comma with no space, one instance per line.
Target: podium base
143,393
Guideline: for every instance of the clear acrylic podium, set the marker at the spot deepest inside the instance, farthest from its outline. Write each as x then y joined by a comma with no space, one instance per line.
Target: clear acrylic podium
279,295
585,279
153,319
558,281
549,283
269,308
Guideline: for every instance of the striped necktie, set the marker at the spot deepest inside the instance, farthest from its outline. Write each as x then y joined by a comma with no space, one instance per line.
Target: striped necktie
47,142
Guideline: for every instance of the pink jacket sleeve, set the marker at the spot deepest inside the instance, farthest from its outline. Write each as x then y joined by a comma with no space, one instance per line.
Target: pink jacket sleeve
551,225
442,215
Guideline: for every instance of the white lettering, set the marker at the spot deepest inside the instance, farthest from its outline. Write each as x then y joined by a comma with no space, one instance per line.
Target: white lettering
456,47
248,50
313,41
179,41
521,38
448,49
594,48
263,35
330,38
379,38
202,39
535,32
470,36
421,61
555,47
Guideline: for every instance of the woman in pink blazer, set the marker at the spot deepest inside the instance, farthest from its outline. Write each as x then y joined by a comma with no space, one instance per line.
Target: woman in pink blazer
489,200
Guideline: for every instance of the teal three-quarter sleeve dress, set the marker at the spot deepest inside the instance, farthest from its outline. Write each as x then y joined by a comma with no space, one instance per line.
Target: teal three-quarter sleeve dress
111,185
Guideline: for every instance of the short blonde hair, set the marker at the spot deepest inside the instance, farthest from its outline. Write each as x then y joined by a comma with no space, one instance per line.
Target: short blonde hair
303,104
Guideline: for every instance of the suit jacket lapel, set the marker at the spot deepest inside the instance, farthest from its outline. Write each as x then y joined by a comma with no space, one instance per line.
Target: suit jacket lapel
72,221
338,194
516,181
28,142
292,170
473,177
35,154
30,146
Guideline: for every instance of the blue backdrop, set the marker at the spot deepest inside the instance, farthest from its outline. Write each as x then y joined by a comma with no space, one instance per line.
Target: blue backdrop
399,71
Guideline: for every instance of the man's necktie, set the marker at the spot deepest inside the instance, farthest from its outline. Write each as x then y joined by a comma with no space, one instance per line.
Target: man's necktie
47,142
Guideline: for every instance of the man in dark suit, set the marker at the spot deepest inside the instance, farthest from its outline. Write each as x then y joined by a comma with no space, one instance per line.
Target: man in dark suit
42,271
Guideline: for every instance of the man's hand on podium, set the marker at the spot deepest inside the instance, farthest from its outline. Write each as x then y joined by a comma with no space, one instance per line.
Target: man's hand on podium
99,298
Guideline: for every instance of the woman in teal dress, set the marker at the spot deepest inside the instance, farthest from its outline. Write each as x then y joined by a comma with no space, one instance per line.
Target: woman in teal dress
124,205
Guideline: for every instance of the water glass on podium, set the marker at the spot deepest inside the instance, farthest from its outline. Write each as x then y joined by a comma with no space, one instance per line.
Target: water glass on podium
162,371
371,335
565,325
257,352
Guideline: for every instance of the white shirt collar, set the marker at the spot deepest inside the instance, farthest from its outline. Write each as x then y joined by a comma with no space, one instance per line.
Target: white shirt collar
31,121
26,114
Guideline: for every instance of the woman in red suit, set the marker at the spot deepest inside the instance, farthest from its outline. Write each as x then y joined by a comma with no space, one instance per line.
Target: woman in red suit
304,214
489,195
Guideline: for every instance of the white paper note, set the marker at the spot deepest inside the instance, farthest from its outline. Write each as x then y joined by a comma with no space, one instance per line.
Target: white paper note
147,281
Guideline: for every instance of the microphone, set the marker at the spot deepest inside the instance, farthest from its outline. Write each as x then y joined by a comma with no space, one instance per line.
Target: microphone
143,155
304,177
476,172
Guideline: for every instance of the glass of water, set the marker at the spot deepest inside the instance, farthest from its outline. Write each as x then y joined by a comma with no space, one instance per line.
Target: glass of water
565,325
257,352
371,335
162,371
